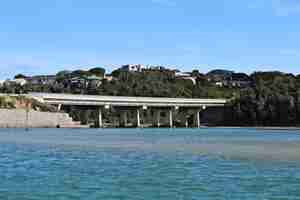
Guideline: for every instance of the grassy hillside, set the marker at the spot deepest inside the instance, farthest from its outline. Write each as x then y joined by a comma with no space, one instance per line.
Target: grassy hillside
22,102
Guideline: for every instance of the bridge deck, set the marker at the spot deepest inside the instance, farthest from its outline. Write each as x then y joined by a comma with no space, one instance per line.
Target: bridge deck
93,100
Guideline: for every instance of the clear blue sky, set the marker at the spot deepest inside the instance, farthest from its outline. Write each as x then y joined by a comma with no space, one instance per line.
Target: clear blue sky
47,36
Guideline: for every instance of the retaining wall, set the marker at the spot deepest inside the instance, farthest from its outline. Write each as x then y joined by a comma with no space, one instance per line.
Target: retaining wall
18,118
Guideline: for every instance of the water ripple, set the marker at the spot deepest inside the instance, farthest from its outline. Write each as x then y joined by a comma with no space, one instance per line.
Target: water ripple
132,164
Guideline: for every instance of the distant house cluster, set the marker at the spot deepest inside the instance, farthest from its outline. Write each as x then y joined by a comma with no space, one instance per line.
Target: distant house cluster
72,80
186,76
141,68
224,78
220,78
34,80
133,68
42,79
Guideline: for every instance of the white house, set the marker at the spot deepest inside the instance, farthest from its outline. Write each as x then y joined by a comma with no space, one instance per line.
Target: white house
108,77
186,76
219,83
20,81
133,68
2,82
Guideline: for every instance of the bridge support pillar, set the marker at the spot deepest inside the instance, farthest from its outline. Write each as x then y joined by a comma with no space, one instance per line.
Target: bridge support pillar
156,118
186,123
59,107
197,119
171,118
99,121
123,119
138,119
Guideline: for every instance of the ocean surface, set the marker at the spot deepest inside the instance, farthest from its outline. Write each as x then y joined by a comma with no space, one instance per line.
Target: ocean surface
144,164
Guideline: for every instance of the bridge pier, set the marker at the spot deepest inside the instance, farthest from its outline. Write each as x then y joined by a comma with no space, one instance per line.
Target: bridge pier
99,120
197,123
138,120
156,118
123,119
171,118
184,117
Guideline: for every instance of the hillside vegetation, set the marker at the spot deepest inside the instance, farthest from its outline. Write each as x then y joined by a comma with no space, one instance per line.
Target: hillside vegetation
22,102
270,99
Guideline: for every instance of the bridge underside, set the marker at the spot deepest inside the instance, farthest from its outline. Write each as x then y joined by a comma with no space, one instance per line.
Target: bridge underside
117,116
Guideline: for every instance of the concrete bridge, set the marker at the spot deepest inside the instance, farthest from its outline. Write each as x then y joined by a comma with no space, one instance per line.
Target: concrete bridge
171,106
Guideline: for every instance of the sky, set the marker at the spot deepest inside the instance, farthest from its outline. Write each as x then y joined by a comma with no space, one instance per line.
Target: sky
43,37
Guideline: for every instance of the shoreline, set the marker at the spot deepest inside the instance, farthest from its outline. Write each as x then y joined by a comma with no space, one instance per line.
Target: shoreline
275,128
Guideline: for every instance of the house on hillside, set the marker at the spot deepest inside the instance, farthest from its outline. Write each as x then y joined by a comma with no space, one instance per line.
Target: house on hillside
2,82
41,80
84,81
218,76
132,68
220,83
156,68
94,81
108,77
239,80
226,78
20,81
186,76
236,80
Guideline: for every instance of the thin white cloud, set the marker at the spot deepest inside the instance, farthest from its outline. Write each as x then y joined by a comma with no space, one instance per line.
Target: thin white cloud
169,3
286,7
290,52
280,8
256,4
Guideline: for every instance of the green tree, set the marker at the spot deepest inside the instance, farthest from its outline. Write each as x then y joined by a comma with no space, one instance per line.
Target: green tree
98,71
19,76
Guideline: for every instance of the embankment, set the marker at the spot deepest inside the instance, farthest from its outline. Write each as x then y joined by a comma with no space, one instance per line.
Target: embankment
20,118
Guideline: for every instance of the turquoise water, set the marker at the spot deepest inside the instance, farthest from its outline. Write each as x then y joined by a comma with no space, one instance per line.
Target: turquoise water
149,164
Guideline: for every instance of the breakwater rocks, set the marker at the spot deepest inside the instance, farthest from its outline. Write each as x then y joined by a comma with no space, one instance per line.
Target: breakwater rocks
20,118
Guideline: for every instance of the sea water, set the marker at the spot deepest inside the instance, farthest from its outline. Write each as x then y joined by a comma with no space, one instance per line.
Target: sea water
149,164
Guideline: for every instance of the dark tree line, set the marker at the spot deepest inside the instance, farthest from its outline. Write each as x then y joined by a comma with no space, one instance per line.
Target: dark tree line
274,100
